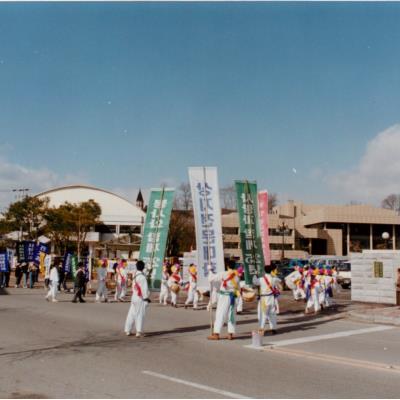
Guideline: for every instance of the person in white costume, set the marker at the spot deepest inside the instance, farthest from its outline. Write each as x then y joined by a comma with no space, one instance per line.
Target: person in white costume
53,284
164,289
294,282
102,292
269,290
121,279
311,286
139,302
193,295
226,303
328,288
174,279
242,284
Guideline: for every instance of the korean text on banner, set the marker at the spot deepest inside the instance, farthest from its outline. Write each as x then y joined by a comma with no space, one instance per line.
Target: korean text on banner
155,233
250,240
4,264
264,225
207,218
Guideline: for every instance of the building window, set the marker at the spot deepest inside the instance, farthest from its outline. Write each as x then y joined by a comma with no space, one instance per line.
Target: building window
129,229
228,230
378,242
231,245
278,246
106,228
359,237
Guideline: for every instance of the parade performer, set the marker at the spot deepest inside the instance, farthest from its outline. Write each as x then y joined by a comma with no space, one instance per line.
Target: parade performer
294,281
101,279
269,291
328,287
322,287
139,301
226,302
164,290
174,282
242,284
53,284
193,295
121,280
312,291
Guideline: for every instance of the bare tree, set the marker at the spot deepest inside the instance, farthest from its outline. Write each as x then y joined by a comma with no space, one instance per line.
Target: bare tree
272,201
228,197
183,197
392,202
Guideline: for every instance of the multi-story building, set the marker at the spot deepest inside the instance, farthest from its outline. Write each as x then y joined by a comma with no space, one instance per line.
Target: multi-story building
320,230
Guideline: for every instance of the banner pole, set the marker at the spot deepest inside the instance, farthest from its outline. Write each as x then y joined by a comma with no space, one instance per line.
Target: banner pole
208,249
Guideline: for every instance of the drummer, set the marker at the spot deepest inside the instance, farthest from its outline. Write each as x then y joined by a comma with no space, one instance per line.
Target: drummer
174,282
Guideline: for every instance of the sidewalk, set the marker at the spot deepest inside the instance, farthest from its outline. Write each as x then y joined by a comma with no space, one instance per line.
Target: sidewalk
386,315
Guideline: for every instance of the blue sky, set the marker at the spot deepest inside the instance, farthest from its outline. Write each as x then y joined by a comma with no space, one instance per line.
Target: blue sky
128,95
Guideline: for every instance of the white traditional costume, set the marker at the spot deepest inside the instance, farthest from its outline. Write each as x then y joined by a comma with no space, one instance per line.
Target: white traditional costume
102,292
121,278
226,303
164,289
193,295
174,279
53,284
312,292
266,309
139,301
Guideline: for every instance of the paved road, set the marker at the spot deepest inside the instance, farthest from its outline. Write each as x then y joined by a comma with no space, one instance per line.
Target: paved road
79,350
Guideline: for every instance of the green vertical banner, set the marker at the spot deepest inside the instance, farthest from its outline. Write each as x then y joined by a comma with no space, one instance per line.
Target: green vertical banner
74,265
250,237
155,233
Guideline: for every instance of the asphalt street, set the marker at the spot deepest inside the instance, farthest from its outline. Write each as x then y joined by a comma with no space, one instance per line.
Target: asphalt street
66,350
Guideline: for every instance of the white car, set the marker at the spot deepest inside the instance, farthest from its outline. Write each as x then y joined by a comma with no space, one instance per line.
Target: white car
344,275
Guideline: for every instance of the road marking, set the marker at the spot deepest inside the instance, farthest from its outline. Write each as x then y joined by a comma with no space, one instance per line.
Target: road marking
338,360
335,335
197,385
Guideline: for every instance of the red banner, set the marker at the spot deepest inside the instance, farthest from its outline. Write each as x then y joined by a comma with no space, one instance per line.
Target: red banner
264,224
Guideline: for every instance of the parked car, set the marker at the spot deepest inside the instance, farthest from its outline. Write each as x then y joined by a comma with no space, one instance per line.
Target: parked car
344,275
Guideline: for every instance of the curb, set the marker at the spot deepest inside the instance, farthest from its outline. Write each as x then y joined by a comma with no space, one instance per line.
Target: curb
374,318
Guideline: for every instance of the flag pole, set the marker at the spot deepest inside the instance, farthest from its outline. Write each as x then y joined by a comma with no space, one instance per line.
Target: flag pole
208,247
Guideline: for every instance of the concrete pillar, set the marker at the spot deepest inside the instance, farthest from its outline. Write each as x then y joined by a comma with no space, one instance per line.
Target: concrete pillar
371,239
348,239
394,237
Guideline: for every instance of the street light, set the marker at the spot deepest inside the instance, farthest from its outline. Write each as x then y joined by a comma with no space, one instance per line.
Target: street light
385,237
283,229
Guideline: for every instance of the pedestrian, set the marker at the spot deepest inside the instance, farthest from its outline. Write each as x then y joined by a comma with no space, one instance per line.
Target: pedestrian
102,292
226,303
25,272
79,283
193,295
53,284
174,282
32,274
164,290
140,300
268,292
18,275
121,279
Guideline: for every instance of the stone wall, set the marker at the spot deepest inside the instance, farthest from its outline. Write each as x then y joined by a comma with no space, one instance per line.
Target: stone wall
368,288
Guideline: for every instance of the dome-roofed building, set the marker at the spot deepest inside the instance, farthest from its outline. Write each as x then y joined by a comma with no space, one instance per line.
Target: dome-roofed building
120,218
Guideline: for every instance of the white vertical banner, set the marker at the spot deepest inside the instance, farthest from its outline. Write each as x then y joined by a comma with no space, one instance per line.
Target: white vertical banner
207,219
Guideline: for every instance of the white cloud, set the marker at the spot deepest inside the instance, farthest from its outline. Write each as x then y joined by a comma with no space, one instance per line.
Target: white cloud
16,176
377,173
